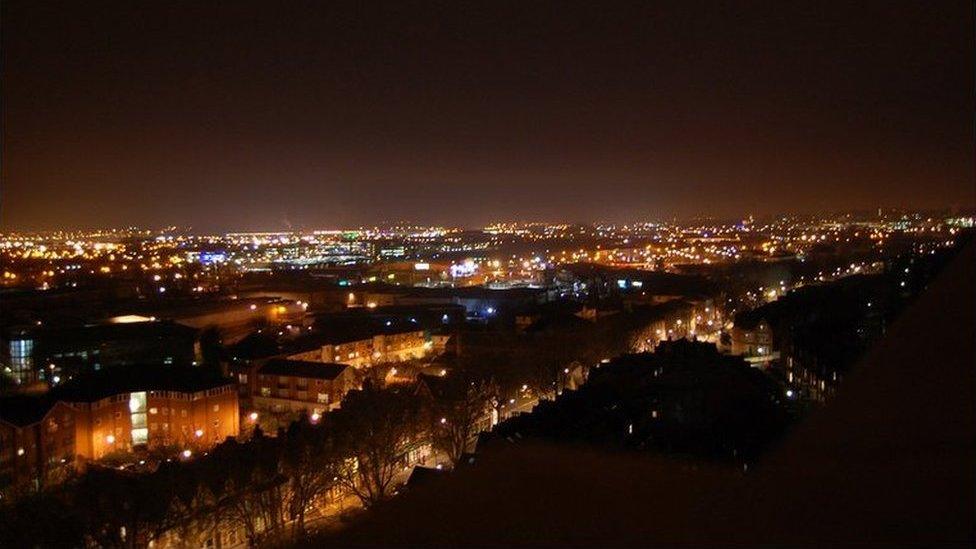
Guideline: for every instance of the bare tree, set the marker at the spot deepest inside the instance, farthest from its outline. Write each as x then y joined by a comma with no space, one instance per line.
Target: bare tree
310,462
458,412
375,430
249,486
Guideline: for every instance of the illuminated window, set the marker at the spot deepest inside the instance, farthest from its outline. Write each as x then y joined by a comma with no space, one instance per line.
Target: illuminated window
137,409
22,359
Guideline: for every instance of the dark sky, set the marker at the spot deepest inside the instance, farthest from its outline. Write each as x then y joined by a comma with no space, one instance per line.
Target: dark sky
262,116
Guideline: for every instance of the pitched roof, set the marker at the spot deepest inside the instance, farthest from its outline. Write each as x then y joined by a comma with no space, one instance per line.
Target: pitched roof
346,332
24,410
423,475
118,331
435,385
113,381
302,368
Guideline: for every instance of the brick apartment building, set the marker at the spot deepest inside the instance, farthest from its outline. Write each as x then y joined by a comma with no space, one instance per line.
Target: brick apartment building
281,385
114,410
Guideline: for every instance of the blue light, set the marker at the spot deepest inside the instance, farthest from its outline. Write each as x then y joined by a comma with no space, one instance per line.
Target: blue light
212,257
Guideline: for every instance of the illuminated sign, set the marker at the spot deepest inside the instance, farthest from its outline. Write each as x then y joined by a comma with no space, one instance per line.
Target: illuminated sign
212,257
465,269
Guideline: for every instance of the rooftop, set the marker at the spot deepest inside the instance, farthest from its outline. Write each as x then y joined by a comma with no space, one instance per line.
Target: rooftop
302,368
113,381
23,410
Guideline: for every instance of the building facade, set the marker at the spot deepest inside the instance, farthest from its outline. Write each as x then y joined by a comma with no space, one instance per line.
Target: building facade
282,386
752,339
113,412
194,419
37,444
366,351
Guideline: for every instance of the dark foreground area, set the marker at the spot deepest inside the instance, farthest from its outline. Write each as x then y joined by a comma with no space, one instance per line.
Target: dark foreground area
889,461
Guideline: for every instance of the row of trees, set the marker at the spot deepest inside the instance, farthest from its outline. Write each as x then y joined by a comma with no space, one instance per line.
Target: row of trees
536,359
260,489
685,399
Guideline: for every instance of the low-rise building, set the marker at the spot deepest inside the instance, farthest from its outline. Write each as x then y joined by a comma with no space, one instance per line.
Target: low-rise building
124,408
54,353
361,349
478,302
281,385
752,338
37,442
112,411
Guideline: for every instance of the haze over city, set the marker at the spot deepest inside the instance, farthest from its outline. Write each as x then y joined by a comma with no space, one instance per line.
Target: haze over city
247,116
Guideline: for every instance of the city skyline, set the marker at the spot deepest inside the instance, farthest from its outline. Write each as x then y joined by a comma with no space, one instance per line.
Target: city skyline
744,218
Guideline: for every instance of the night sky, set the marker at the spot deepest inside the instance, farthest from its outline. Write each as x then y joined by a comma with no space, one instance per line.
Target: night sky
241,116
